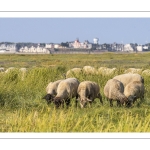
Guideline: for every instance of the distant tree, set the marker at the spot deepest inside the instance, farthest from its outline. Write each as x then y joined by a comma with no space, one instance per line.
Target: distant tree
65,44
42,44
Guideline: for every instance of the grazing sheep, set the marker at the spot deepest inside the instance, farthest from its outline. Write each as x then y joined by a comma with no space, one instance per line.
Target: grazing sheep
134,90
127,78
51,91
23,72
23,69
72,72
113,90
146,72
87,92
66,90
133,70
106,71
2,69
9,69
100,69
89,70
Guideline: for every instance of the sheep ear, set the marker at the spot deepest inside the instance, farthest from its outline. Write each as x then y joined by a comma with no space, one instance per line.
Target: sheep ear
89,100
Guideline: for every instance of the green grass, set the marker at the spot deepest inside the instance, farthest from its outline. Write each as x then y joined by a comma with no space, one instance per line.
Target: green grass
22,108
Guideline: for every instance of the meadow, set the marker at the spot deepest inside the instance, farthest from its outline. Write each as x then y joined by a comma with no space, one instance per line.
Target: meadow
22,108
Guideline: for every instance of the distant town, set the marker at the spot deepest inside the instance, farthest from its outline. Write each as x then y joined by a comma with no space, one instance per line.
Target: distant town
73,46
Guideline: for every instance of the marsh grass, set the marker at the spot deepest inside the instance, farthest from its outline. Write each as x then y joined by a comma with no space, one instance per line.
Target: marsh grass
24,110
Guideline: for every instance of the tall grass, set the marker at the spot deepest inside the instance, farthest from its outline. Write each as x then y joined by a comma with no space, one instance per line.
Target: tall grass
22,108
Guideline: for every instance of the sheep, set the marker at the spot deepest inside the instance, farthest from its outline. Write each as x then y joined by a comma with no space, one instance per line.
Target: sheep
146,72
127,78
133,70
66,90
113,90
89,70
72,72
23,72
134,90
110,71
87,92
51,91
23,69
2,69
106,71
10,69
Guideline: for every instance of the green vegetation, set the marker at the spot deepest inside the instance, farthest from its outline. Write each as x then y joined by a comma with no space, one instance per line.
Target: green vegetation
22,108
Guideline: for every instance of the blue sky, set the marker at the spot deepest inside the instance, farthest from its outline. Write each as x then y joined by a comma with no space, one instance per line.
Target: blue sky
57,30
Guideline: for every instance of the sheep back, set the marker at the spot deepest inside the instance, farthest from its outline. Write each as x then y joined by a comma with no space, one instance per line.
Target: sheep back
51,91
52,87
88,88
88,91
127,78
89,70
114,89
134,90
72,72
67,88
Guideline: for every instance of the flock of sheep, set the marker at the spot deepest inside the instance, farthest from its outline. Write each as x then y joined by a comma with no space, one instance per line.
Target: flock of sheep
11,69
89,70
104,71
124,88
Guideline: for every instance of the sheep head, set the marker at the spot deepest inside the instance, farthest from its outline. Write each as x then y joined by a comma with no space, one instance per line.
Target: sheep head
83,102
58,101
131,100
48,98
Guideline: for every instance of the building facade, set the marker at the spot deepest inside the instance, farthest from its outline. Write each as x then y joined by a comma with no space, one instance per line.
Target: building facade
5,47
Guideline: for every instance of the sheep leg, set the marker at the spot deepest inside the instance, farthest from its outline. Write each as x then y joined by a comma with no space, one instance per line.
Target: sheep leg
118,103
100,97
111,103
142,98
134,100
62,103
90,103
67,102
76,102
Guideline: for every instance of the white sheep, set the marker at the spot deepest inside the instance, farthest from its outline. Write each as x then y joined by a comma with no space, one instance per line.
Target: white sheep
133,70
10,69
72,72
23,72
23,69
51,91
134,90
106,71
113,90
66,90
146,72
2,69
89,70
127,78
87,92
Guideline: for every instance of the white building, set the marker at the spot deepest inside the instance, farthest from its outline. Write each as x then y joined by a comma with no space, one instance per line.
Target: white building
49,45
56,45
145,47
95,40
139,48
33,49
8,47
128,48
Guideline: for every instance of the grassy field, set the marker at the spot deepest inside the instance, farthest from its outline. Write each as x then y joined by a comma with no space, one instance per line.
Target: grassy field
22,108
